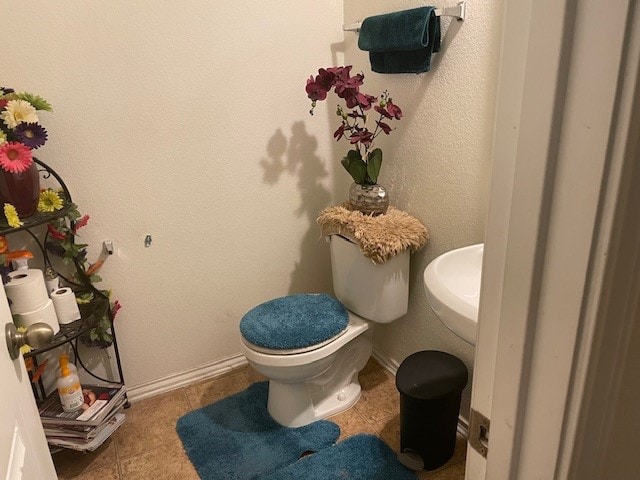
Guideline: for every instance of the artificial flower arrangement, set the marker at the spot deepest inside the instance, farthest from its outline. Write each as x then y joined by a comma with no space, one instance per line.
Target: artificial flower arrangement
61,241
363,162
21,134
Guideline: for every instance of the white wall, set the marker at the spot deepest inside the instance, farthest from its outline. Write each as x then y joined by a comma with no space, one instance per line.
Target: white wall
437,162
187,121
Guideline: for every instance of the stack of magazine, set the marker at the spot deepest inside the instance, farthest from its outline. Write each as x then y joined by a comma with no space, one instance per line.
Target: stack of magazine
85,429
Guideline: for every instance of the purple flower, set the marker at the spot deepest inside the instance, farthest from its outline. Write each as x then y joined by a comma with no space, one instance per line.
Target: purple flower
382,111
340,73
354,82
349,86
363,136
315,91
350,99
365,101
325,79
385,127
32,135
354,116
394,110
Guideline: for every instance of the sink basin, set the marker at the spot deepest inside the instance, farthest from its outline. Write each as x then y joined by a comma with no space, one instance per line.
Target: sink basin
452,284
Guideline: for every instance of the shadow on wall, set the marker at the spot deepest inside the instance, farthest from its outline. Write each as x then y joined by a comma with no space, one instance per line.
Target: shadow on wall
297,156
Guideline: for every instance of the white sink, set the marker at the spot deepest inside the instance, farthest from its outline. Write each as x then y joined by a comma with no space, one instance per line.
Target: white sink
452,284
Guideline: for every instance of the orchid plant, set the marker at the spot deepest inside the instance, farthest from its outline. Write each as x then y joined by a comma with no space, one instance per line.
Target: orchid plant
363,162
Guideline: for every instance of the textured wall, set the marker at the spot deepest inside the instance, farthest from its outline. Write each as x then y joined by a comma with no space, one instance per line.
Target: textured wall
437,162
187,121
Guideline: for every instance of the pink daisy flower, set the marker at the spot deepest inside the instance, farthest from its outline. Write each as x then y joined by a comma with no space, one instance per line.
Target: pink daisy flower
15,157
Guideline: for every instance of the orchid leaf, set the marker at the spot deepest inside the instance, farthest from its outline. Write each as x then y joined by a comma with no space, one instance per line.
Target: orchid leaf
355,165
374,163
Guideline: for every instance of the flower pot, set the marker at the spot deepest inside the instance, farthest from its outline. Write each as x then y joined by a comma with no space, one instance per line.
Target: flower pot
369,199
21,190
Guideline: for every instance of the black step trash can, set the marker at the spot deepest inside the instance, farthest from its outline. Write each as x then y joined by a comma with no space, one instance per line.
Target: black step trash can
430,385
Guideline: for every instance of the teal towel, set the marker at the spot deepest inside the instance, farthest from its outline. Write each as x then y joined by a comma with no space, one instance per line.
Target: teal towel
401,42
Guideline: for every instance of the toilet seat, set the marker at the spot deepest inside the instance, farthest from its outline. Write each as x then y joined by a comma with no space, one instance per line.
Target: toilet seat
291,351
294,324
357,326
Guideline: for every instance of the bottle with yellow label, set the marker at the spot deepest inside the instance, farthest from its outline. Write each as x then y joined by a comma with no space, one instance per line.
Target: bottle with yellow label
69,387
72,367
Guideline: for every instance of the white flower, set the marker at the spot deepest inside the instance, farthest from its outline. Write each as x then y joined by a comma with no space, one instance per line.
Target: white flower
17,112
3,137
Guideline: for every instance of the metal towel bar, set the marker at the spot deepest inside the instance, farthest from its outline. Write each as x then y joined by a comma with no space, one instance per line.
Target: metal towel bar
457,12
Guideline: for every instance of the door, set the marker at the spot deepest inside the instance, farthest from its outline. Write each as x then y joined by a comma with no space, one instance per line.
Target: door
564,110
24,454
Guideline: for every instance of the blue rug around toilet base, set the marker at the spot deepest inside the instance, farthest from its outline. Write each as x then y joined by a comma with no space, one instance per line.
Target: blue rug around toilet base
236,439
361,457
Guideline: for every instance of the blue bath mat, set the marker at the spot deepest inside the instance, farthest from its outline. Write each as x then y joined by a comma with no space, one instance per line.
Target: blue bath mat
361,457
236,438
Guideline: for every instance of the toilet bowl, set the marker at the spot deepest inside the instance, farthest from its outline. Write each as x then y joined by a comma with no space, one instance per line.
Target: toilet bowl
316,377
306,385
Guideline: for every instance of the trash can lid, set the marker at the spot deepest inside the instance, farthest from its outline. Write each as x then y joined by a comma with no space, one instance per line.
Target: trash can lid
431,374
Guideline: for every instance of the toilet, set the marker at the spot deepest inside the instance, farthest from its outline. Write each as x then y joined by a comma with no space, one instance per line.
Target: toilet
311,347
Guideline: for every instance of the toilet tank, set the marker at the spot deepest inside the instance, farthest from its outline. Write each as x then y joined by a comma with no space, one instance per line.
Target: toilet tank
379,293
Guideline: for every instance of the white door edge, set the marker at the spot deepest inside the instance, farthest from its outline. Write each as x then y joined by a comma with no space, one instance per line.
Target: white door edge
604,353
538,252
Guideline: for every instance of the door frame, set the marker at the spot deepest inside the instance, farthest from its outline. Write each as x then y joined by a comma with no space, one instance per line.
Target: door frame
563,144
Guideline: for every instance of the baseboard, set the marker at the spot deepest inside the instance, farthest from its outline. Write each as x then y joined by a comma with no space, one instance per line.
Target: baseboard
228,364
181,379
385,360
392,366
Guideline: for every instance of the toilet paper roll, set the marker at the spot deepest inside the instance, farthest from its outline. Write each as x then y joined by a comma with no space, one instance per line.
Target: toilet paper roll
26,291
45,314
64,302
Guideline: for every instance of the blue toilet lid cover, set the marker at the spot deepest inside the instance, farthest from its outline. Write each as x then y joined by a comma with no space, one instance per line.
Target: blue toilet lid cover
295,321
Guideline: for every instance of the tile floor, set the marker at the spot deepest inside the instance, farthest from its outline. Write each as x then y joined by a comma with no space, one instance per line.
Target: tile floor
147,445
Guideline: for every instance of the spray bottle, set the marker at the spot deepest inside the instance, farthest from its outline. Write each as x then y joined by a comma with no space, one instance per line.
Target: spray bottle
69,388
